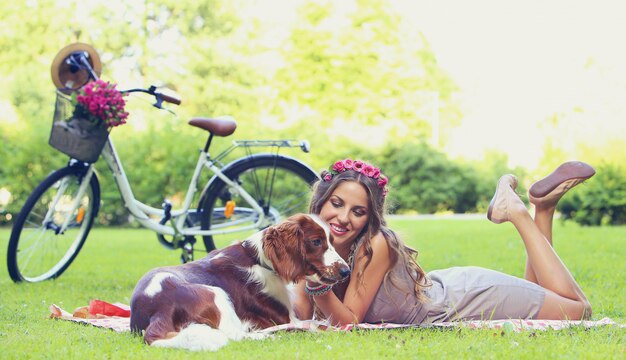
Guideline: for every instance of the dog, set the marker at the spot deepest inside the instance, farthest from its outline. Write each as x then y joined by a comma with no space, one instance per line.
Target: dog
234,291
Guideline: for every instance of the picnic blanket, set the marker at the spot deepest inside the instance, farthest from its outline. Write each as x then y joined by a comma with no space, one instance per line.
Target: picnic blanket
116,316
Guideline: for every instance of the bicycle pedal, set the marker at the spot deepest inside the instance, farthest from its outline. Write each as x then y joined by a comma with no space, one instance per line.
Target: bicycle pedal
167,212
186,256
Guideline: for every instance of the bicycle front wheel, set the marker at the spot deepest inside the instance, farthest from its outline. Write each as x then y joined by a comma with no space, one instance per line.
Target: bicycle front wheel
280,185
39,249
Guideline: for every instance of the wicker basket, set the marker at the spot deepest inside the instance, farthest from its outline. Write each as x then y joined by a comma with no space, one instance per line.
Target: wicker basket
78,138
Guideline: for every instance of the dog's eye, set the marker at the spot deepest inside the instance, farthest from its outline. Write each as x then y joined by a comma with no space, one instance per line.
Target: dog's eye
317,242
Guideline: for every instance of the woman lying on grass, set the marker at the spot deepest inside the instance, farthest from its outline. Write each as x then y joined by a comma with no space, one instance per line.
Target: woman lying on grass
388,285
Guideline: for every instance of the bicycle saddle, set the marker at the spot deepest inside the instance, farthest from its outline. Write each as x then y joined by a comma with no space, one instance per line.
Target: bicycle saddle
222,126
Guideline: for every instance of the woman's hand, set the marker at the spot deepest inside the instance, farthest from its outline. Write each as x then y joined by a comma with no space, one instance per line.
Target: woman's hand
361,290
302,304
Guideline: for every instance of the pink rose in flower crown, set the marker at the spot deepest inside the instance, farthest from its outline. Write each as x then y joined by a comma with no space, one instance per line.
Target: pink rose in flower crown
358,166
327,177
368,170
382,182
338,166
348,164
100,103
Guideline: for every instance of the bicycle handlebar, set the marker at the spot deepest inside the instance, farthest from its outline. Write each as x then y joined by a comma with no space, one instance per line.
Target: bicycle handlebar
160,97
170,99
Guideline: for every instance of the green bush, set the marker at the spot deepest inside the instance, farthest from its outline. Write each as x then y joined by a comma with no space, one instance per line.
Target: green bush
425,180
599,201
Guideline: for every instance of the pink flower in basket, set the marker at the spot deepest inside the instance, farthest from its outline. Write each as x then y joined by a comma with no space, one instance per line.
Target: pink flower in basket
100,103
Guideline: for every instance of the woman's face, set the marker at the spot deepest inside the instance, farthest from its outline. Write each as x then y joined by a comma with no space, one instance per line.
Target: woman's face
346,212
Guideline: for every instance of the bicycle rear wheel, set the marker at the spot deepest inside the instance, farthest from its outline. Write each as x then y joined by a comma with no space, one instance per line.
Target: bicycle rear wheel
280,185
37,249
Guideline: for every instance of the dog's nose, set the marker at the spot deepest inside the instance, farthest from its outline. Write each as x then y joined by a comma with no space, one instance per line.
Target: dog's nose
344,272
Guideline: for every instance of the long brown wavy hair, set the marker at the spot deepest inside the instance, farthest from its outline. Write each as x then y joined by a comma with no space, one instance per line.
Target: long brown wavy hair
322,190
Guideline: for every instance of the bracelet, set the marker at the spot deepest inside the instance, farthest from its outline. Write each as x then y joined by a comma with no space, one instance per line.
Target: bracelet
317,290
316,287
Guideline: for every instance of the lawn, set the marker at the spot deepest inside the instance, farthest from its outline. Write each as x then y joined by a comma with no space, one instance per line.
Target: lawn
113,260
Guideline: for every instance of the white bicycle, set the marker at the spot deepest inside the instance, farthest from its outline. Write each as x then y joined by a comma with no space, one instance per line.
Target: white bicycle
250,193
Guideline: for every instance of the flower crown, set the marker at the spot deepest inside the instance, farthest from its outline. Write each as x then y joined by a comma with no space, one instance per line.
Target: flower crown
360,167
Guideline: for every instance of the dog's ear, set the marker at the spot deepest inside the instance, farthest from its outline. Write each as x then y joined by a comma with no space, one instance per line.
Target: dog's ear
284,246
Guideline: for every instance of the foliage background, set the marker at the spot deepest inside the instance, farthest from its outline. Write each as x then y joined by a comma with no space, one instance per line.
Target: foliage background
356,75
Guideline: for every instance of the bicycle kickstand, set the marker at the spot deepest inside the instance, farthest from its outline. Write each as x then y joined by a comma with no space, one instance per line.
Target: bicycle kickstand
185,243
187,247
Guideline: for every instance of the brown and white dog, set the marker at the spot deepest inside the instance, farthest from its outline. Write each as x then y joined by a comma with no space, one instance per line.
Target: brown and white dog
235,290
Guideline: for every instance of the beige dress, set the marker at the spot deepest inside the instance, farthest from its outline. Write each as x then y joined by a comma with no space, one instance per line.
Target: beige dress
458,293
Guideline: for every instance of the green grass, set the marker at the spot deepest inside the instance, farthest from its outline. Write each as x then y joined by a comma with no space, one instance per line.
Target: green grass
113,260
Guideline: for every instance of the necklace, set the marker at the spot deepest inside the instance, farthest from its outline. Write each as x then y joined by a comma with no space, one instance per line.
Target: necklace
351,255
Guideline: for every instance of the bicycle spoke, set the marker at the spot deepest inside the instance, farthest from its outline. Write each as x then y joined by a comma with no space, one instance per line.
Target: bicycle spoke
257,187
38,216
31,249
42,229
271,187
288,207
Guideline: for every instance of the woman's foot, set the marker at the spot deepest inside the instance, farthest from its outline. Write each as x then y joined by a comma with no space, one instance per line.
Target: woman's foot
505,201
547,191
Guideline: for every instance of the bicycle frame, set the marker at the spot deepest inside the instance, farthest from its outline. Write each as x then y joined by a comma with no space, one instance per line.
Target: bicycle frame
143,212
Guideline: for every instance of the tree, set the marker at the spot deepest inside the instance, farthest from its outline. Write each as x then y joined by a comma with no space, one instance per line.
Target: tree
357,68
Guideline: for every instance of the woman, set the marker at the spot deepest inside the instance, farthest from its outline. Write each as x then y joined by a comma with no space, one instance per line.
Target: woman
387,284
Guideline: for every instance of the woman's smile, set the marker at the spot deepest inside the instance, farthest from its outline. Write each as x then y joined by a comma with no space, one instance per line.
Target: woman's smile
338,230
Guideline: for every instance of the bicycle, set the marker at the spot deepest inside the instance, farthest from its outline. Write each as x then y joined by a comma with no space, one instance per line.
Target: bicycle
249,193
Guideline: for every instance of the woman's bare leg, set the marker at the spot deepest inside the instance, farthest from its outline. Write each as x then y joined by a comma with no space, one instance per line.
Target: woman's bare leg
545,195
551,273
543,219
564,298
